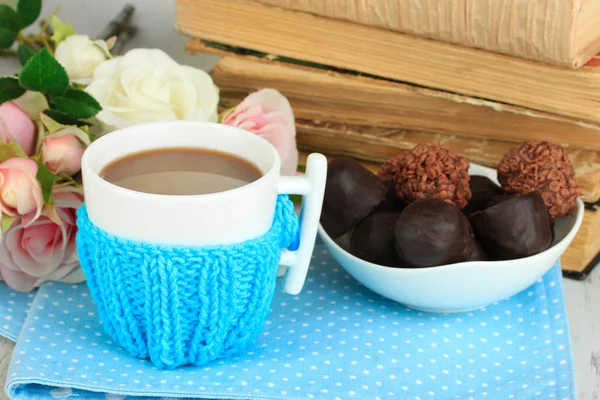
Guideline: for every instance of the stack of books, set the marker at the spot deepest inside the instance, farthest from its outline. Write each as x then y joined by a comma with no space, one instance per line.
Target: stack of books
372,79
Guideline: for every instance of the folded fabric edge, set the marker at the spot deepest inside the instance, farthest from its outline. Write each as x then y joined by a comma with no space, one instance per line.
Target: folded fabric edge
13,388
8,335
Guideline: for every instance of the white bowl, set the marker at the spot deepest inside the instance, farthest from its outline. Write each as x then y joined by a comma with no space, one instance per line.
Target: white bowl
458,287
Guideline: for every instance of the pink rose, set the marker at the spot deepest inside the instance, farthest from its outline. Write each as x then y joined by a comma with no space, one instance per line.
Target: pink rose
20,191
16,126
62,153
44,250
268,114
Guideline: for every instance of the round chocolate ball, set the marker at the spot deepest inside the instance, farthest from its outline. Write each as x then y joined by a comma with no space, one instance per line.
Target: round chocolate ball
432,171
542,167
501,198
351,193
482,190
389,169
374,238
391,202
515,228
478,253
345,240
431,232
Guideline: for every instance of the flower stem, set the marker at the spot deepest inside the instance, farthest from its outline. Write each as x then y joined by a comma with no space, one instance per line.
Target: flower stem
26,39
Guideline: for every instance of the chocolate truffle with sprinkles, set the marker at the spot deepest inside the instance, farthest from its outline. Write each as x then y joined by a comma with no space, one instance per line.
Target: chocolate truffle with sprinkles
432,171
543,167
389,169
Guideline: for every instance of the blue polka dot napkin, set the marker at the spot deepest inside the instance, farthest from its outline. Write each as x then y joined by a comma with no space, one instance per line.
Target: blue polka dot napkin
336,340
13,310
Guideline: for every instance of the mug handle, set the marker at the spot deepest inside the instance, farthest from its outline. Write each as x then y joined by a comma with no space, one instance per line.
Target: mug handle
311,187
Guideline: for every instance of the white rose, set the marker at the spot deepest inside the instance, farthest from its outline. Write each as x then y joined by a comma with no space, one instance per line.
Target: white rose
80,56
147,85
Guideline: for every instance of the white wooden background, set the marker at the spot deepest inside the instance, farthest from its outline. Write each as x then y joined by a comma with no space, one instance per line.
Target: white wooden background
155,19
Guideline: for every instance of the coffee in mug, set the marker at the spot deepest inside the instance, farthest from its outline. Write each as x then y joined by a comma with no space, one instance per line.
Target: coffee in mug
181,171
214,217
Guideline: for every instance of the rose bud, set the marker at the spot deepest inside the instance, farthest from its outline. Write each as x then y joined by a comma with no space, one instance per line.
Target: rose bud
80,56
16,126
63,153
20,191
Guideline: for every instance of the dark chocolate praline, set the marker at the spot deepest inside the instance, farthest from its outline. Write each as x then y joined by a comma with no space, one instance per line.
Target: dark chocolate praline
373,239
501,198
432,171
545,168
482,190
391,202
515,228
351,193
478,253
431,232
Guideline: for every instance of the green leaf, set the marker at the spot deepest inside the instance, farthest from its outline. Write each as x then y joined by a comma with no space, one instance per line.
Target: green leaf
10,89
64,119
10,150
50,124
63,177
28,11
43,73
7,222
41,133
301,168
77,104
53,128
9,26
76,131
61,30
24,53
46,179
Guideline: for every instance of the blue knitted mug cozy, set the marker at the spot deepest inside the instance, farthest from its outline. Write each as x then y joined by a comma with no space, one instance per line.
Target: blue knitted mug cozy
184,305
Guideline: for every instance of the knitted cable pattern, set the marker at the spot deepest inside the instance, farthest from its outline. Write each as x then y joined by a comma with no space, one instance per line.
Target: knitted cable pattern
183,305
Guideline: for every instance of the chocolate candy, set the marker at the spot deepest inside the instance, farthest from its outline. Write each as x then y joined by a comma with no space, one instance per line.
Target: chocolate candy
478,253
515,228
543,167
482,190
501,198
373,239
431,232
391,203
352,192
344,240
431,170
389,169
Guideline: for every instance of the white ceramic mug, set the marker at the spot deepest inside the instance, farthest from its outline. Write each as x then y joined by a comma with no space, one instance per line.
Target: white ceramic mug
227,217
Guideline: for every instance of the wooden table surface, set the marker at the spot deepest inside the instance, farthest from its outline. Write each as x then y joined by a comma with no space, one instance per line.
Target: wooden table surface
6,348
583,309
